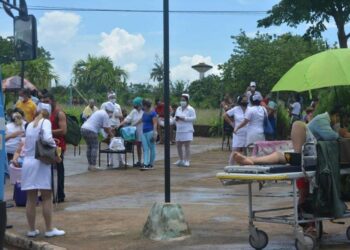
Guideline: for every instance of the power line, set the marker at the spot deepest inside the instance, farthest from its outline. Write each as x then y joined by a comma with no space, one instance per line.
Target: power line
212,12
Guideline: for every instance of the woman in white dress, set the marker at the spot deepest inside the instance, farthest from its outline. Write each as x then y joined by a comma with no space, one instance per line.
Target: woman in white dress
254,120
185,116
36,175
237,113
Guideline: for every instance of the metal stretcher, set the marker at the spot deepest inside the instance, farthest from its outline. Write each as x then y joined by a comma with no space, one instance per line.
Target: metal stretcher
258,239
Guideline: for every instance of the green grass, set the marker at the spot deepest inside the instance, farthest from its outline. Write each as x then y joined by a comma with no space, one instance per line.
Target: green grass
207,116
204,116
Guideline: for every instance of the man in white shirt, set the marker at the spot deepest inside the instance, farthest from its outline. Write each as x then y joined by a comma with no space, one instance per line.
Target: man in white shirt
114,123
251,90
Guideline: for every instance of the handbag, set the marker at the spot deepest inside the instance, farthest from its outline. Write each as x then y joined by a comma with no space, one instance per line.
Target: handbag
268,129
44,152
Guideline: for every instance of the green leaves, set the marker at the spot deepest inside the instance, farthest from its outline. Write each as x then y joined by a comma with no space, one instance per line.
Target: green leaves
316,13
264,59
98,74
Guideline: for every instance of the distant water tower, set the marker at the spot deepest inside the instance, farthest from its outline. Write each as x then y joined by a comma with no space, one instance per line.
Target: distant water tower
201,68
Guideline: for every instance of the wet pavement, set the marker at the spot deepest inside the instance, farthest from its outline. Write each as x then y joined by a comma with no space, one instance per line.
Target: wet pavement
107,209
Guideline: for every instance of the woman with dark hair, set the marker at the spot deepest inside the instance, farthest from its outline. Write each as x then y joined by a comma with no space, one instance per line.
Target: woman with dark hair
254,120
149,136
237,114
185,116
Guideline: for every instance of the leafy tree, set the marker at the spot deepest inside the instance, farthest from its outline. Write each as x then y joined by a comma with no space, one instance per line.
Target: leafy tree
264,59
39,72
6,50
99,75
314,12
206,93
178,88
157,72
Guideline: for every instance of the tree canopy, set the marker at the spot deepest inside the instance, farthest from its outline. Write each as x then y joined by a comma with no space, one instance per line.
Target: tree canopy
316,13
97,75
39,72
264,59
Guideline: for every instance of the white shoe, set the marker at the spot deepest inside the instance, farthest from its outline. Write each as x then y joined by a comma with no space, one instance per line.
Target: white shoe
54,232
186,164
34,233
179,163
93,168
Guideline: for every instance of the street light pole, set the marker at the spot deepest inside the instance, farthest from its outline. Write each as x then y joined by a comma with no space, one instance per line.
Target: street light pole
166,101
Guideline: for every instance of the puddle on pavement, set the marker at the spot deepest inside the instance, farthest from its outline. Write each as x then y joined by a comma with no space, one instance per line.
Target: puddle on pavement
223,219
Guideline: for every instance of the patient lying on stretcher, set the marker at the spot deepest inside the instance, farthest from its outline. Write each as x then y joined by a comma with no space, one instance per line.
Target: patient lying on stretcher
320,128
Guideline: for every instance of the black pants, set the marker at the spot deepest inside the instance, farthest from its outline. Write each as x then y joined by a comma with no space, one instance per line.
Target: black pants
60,180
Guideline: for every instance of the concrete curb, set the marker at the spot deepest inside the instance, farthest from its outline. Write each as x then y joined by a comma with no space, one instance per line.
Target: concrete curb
26,243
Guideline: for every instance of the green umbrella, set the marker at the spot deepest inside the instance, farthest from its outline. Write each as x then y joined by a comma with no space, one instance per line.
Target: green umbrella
326,69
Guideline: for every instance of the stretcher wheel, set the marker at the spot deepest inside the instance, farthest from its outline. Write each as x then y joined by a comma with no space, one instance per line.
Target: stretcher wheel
348,233
260,242
310,243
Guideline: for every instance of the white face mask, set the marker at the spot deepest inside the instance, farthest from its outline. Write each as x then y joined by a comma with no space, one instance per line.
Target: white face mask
113,100
183,104
21,99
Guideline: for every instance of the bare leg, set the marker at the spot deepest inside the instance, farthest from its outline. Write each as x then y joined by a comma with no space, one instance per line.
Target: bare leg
46,195
231,160
187,150
30,208
274,158
179,149
298,135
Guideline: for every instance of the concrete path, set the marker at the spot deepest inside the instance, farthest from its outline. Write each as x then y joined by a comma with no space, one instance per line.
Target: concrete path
77,164
108,209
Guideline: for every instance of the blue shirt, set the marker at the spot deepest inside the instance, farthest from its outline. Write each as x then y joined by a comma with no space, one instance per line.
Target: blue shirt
147,121
320,126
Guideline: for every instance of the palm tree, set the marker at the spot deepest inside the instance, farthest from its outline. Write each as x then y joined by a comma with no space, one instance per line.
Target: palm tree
157,72
98,74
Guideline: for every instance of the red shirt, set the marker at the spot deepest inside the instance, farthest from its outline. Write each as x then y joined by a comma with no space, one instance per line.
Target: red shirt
54,125
160,109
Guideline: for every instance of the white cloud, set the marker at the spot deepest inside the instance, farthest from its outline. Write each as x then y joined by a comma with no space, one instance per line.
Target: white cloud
184,71
130,67
119,43
58,27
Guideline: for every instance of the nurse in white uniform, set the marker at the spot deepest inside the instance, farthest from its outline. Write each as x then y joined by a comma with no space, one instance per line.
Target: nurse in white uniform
36,175
237,114
254,120
185,116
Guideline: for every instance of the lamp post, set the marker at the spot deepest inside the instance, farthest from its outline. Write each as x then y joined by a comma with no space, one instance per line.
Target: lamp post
202,68
166,220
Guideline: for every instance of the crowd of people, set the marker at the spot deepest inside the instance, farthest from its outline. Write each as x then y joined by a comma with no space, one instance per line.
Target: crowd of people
37,116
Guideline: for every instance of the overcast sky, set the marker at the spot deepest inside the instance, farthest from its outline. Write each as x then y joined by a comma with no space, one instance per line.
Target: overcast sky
133,39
